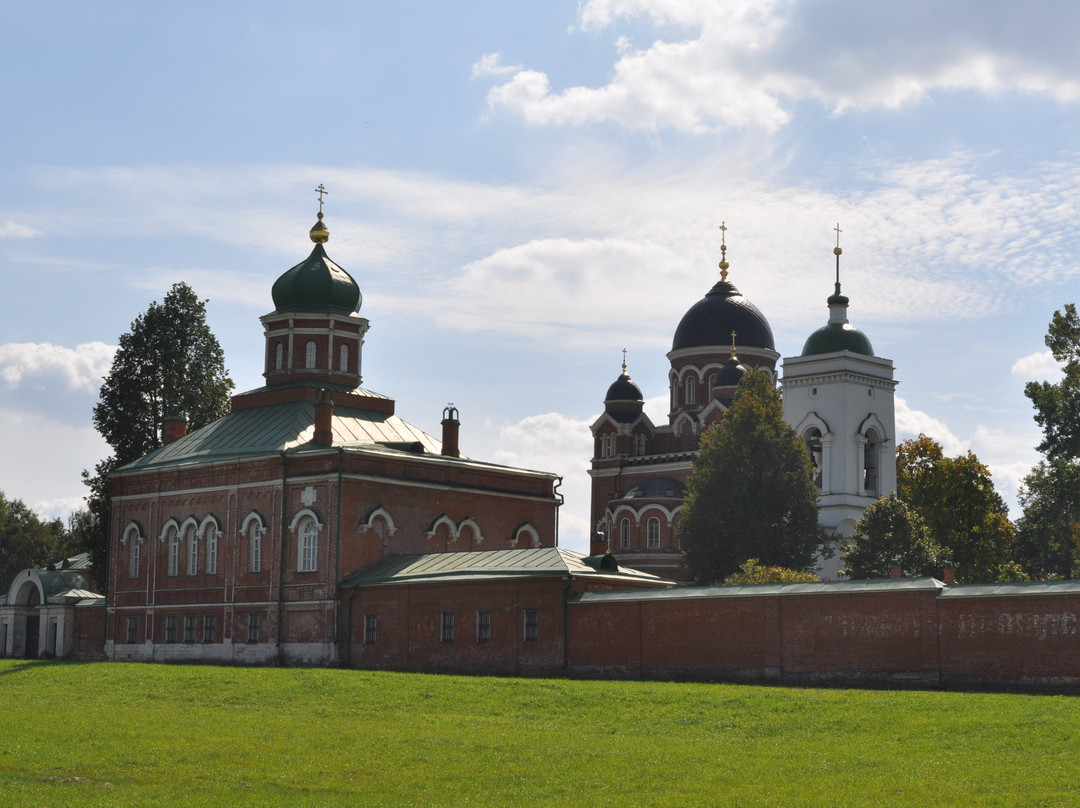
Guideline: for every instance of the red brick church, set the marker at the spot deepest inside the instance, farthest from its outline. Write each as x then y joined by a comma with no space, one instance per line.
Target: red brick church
229,543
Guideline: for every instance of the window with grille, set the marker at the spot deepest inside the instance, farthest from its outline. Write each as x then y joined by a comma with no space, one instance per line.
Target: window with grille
253,629
483,625
189,628
209,627
132,629
447,627
370,628
532,625
170,628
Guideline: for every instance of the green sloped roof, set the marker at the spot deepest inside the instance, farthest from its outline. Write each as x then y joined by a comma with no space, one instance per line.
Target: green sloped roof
284,427
1026,588
534,562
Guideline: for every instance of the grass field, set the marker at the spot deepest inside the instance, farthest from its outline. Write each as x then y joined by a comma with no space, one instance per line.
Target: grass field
133,734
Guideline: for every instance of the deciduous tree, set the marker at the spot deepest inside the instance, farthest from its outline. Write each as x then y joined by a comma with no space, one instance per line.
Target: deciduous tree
956,498
751,494
891,534
1057,405
26,540
169,363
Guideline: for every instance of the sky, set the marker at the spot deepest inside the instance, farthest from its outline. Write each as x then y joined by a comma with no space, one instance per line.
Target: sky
524,189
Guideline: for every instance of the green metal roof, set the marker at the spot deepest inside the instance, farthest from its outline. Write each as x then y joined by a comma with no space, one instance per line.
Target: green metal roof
769,590
537,562
285,427
1029,589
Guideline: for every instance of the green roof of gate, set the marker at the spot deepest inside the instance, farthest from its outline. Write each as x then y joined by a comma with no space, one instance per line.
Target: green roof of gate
533,562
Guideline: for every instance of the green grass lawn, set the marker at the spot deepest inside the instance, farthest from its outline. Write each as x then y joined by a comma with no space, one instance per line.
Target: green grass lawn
135,734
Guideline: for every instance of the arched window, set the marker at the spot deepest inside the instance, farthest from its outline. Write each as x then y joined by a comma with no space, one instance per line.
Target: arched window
192,539
307,545
812,439
211,549
174,551
133,538
343,360
133,558
279,356
870,462
309,354
691,390
255,534
652,532
624,534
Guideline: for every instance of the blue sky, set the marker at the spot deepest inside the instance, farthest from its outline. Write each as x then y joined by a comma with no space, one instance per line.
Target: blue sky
522,190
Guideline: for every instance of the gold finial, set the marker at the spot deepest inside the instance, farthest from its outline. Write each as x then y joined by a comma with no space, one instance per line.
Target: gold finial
320,233
624,361
733,356
723,251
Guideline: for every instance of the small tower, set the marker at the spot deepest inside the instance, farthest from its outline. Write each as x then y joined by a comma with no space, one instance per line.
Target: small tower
839,398
315,332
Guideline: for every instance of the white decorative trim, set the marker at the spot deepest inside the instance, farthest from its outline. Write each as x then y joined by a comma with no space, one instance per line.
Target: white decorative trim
303,513
468,521
524,529
391,528
253,516
442,520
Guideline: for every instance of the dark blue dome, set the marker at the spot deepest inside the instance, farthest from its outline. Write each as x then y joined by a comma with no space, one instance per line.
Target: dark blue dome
711,320
730,374
623,390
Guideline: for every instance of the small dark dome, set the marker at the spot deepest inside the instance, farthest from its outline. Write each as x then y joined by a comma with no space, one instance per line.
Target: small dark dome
623,390
316,284
730,374
837,337
711,320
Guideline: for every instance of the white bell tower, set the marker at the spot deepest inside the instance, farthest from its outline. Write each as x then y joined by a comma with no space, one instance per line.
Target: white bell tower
838,396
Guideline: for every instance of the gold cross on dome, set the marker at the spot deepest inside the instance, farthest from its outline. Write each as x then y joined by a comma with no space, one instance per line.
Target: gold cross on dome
320,191
624,360
723,232
838,232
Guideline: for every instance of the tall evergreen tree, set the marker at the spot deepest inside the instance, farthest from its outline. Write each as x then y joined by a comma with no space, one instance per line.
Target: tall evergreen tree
1057,405
169,363
751,494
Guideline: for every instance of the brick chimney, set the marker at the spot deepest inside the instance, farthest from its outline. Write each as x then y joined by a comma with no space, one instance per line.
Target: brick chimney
950,576
173,427
450,427
324,417
896,572
599,545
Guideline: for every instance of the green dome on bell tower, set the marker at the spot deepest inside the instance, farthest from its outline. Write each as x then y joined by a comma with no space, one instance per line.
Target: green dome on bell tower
838,334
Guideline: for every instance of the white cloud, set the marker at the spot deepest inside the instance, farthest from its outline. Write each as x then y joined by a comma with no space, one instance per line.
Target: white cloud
563,445
51,456
12,230
1039,366
911,423
47,366
490,64
741,64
